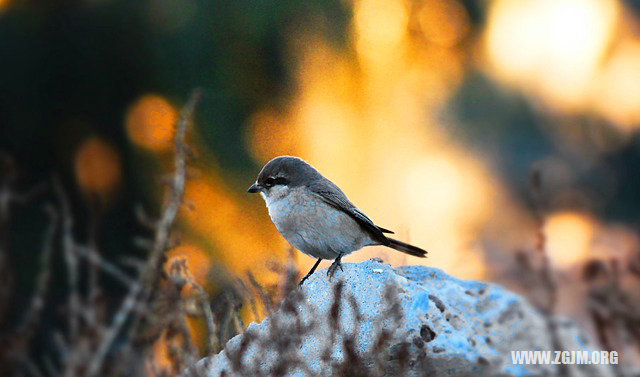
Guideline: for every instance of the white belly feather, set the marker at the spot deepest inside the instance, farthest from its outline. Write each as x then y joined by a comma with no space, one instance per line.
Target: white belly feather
313,226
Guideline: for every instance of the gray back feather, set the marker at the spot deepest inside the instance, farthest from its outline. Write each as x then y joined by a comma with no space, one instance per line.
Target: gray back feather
330,193
300,173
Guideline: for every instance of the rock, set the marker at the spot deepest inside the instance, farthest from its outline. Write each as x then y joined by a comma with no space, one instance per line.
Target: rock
413,320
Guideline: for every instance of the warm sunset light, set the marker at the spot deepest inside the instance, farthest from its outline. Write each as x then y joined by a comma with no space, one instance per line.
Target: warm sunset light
444,198
372,129
444,22
569,237
241,233
151,187
553,47
151,123
269,135
4,4
198,263
617,93
435,186
161,361
97,167
380,26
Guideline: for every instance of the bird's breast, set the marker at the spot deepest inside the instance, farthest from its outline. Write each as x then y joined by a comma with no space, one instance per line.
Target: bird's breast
286,210
314,227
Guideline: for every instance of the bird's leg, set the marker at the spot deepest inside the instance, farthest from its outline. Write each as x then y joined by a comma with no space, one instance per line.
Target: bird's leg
334,266
313,269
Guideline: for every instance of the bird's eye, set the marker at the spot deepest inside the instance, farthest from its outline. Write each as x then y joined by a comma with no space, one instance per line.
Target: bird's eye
281,181
269,181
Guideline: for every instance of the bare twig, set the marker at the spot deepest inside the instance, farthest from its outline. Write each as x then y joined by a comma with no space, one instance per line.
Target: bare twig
143,218
16,343
114,271
546,271
265,297
142,287
31,367
212,330
94,289
250,297
42,285
69,257
8,198
176,193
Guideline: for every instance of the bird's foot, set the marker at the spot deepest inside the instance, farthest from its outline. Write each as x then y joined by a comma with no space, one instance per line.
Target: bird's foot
303,280
310,272
334,267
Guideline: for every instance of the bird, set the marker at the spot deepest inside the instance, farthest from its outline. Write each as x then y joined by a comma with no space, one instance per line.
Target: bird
316,217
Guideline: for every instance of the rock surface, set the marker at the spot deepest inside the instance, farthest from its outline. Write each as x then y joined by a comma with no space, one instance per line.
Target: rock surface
443,326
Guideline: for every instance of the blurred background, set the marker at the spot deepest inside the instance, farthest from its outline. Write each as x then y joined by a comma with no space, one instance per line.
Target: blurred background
482,131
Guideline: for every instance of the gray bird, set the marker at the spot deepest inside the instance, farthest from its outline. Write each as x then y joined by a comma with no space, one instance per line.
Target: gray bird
315,216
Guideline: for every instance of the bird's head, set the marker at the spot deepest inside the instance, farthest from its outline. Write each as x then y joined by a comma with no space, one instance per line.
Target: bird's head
282,174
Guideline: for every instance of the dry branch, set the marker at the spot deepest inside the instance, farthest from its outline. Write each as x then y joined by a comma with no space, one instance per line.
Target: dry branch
93,257
141,289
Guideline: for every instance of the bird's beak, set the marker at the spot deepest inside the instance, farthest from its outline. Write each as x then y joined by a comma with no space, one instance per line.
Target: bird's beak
254,188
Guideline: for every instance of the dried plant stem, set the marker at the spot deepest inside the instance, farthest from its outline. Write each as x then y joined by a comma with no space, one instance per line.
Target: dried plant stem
17,341
93,257
546,271
212,330
71,263
141,289
42,284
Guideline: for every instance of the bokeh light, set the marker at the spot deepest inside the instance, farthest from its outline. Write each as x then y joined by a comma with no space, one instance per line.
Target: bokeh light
151,122
550,47
444,22
269,135
380,26
569,237
370,125
197,261
97,167
430,115
617,93
244,236
4,4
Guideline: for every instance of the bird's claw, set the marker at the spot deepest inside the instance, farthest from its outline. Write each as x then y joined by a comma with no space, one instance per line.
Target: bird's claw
331,271
313,269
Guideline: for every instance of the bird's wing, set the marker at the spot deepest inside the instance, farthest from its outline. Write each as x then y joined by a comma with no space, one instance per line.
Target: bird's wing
332,195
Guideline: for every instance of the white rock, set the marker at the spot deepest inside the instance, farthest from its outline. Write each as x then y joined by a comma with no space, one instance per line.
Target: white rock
448,327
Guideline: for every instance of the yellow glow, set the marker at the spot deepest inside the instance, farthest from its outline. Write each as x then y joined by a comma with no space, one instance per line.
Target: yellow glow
4,4
434,187
444,22
97,167
369,125
162,361
380,150
197,261
270,136
380,26
550,47
569,237
445,197
244,234
151,123
617,94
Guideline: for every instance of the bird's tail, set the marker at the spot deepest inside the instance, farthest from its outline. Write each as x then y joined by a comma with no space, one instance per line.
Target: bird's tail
406,248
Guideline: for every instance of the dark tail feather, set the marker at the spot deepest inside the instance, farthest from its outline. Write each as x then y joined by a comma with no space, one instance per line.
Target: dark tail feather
406,248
